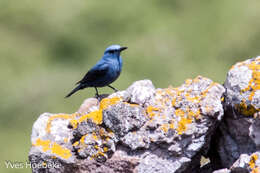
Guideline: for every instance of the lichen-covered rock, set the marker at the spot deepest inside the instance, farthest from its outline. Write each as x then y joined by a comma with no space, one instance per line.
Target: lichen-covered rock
244,164
239,132
123,117
141,129
243,87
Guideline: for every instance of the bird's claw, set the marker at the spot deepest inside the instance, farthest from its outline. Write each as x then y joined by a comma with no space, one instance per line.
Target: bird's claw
97,96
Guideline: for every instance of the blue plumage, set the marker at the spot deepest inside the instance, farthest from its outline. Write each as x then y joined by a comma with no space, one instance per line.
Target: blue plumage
106,71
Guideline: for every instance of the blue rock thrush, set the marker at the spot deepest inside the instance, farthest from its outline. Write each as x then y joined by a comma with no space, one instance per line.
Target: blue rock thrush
104,72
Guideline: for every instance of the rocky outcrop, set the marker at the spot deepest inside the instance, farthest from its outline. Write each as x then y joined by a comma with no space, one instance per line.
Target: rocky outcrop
239,132
244,164
143,129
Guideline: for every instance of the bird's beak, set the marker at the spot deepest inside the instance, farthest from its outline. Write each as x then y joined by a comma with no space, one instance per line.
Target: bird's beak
122,48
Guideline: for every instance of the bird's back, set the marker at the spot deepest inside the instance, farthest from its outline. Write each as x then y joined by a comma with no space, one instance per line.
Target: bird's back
103,73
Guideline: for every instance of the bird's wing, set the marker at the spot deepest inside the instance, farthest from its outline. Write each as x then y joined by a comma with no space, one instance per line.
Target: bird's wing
96,72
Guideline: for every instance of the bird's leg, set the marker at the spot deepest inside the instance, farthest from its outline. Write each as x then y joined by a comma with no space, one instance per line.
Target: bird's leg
112,88
97,95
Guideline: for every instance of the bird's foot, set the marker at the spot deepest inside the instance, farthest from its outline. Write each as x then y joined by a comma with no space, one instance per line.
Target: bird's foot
115,90
97,95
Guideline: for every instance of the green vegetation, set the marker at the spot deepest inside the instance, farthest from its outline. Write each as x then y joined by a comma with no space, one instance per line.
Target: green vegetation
47,46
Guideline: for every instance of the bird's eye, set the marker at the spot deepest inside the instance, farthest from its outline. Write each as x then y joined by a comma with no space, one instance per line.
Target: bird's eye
111,51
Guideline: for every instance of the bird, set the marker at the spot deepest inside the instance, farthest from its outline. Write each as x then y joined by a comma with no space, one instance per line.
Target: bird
105,72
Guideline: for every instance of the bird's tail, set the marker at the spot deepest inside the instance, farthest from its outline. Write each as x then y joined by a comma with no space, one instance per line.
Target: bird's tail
79,87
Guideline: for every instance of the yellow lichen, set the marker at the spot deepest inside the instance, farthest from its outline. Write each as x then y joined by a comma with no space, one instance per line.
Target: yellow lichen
174,101
253,86
165,127
194,99
95,116
246,109
65,140
53,147
105,149
205,92
60,151
45,144
256,170
182,125
106,102
150,110
75,143
82,139
94,136
192,114
74,123
252,161
179,112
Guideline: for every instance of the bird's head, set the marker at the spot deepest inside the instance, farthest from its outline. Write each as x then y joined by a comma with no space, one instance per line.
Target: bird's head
114,50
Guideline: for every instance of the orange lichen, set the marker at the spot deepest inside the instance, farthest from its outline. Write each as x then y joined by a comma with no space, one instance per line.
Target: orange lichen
95,116
182,125
106,102
82,139
194,99
94,136
150,110
167,126
179,112
45,144
252,161
74,123
246,109
255,170
105,149
205,92
174,101
196,114
53,147
65,140
188,82
75,143
253,86
60,151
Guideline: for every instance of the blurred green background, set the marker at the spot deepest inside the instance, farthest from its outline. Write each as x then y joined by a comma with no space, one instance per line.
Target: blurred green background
46,46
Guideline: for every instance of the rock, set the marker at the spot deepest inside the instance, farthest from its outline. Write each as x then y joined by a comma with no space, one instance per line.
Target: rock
225,170
244,164
239,132
88,105
123,117
141,129
247,163
141,92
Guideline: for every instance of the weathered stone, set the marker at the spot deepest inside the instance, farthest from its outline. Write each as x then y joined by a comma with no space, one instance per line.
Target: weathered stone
244,164
225,170
122,118
141,92
239,132
142,130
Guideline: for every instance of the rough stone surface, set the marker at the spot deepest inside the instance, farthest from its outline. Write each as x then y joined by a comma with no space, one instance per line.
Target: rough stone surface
239,132
141,129
225,170
244,164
